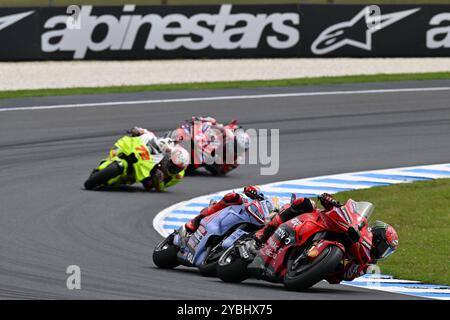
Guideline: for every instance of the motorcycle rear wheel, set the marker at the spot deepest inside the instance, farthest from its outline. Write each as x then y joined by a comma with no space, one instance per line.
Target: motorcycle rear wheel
190,170
314,272
216,170
101,177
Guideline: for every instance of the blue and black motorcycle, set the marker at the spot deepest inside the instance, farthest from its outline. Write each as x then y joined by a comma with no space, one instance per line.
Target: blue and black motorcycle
215,234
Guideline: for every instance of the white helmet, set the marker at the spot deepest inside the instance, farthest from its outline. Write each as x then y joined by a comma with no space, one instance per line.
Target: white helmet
166,145
178,161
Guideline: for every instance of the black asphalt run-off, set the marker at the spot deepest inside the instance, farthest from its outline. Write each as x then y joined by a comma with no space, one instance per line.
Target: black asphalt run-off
48,222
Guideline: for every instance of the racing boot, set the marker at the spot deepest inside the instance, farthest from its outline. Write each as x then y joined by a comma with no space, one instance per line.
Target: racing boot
229,199
262,235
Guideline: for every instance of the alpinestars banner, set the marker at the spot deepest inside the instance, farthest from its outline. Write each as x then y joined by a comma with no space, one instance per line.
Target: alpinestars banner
226,31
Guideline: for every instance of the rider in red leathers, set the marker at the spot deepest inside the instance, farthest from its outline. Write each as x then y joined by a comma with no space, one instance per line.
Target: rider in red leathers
384,237
210,142
229,199
296,208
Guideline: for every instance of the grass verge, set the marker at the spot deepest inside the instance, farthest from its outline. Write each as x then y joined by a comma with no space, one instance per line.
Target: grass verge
420,213
227,84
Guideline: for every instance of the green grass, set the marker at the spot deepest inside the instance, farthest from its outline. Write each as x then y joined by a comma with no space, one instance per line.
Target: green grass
420,212
187,2
226,85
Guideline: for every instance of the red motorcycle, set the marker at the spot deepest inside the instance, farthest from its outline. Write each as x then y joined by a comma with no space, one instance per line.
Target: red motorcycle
209,143
304,250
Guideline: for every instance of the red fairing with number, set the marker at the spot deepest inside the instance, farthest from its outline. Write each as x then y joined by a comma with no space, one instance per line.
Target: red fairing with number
299,231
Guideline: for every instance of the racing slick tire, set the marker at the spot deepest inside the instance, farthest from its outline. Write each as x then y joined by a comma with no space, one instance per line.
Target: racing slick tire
231,268
98,178
190,170
216,170
165,255
208,269
313,271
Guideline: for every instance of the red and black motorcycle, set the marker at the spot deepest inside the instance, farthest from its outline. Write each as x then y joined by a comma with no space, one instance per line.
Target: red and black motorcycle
213,146
304,250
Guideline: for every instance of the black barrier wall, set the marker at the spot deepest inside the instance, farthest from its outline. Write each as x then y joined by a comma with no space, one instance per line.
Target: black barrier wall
226,31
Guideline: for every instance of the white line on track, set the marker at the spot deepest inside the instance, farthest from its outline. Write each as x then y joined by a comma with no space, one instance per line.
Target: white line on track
236,97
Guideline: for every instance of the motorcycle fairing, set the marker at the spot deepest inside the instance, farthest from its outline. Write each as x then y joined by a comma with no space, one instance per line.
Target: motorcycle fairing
133,149
270,261
144,161
232,238
353,214
217,224
259,210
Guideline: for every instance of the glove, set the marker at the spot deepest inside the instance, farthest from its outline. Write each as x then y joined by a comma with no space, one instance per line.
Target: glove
328,201
253,193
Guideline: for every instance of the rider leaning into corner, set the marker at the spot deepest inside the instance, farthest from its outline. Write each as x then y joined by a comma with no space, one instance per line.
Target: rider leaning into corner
209,135
171,169
384,237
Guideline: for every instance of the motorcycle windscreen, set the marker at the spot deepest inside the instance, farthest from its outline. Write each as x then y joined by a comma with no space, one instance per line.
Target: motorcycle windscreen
364,208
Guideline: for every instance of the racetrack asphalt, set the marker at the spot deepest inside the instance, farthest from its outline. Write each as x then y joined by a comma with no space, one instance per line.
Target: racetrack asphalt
48,222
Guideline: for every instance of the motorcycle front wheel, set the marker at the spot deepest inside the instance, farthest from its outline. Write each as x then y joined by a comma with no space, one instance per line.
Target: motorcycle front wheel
302,274
231,268
99,178
165,254
208,268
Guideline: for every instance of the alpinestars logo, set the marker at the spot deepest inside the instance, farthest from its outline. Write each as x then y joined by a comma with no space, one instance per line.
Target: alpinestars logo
6,21
349,32
224,30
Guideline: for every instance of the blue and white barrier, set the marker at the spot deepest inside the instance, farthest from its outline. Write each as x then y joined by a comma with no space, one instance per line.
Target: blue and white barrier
176,215
409,287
